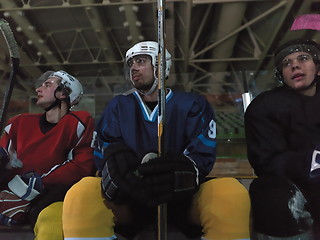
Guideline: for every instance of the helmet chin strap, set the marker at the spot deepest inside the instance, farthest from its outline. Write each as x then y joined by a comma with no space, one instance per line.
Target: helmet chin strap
57,102
151,90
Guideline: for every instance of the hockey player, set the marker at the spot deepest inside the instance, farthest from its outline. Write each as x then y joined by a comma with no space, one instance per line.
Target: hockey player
43,155
134,181
283,132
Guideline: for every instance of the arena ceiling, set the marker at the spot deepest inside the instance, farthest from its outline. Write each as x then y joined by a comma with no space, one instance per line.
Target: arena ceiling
220,48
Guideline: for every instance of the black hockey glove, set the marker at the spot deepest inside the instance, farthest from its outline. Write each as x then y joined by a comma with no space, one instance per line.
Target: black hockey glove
119,183
172,178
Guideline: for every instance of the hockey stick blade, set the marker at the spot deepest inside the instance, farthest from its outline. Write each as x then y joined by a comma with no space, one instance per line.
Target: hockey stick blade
15,61
306,21
8,35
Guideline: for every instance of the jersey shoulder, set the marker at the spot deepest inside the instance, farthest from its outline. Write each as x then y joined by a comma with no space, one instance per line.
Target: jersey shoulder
82,116
122,100
277,99
25,116
277,94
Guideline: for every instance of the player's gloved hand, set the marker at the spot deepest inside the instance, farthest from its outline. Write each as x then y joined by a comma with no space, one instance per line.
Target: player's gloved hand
171,178
14,162
119,182
14,202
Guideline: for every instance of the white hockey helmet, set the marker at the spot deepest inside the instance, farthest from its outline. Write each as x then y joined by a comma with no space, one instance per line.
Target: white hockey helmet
71,85
43,78
151,49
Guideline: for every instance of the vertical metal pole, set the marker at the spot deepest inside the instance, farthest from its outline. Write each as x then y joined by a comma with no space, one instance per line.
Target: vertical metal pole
246,96
162,208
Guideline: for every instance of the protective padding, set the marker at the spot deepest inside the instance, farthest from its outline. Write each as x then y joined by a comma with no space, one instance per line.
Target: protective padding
84,213
278,208
224,207
49,223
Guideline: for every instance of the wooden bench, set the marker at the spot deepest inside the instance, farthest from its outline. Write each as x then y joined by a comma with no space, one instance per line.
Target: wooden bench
224,167
23,232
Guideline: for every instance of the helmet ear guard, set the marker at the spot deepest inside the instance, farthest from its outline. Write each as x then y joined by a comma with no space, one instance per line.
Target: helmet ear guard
65,91
278,75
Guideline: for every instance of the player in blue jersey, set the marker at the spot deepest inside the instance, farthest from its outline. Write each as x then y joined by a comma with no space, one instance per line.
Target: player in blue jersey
134,180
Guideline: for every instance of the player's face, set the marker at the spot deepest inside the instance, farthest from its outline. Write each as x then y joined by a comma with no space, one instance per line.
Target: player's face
299,70
141,72
45,93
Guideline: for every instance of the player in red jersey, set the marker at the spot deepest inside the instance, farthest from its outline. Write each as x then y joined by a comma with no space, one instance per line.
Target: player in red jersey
43,155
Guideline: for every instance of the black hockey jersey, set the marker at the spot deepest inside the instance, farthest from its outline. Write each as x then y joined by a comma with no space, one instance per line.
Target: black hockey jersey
282,130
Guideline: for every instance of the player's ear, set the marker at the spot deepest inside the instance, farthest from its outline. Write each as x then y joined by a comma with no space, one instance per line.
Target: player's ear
63,97
61,93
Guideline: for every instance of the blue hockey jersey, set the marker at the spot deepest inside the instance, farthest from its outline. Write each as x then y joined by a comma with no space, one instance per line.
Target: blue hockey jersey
190,127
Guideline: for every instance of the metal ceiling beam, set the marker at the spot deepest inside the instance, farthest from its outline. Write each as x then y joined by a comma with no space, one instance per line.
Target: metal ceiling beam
72,4
182,36
303,9
201,27
132,22
266,13
28,29
102,36
225,25
225,1
287,6
230,59
170,28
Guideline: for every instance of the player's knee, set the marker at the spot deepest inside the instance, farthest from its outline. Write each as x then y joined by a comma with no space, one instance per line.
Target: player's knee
82,194
223,192
279,208
224,207
85,185
49,223
84,212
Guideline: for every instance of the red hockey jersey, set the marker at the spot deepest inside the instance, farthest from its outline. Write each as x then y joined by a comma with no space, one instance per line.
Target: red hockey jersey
61,155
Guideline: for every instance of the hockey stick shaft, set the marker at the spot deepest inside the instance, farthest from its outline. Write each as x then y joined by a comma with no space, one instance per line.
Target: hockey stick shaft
15,61
162,208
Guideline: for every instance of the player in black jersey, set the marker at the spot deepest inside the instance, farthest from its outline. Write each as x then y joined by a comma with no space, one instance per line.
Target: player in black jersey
283,133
